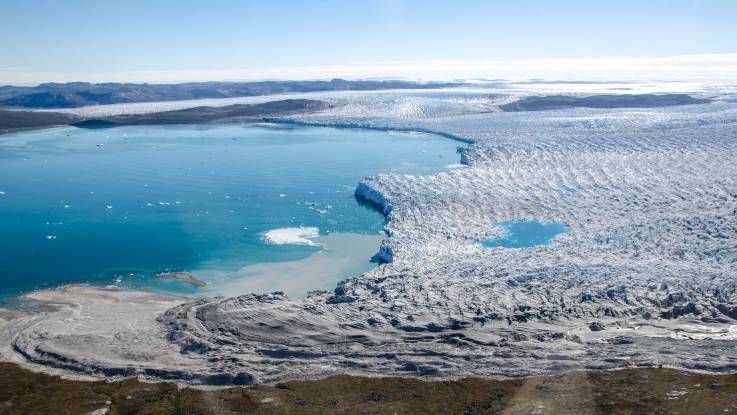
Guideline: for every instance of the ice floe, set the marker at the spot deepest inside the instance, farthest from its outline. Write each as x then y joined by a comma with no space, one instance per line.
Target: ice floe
291,236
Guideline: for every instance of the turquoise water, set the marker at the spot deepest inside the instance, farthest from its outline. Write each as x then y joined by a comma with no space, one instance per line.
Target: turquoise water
524,234
117,205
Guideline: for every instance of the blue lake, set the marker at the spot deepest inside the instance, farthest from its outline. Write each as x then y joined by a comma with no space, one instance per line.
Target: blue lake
524,234
115,206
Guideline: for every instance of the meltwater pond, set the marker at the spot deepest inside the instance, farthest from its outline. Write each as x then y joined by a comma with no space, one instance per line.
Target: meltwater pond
116,206
524,234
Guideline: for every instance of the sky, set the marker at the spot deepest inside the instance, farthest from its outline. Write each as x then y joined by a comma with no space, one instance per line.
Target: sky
175,41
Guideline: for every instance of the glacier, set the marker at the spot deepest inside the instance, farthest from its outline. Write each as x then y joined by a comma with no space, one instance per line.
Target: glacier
646,274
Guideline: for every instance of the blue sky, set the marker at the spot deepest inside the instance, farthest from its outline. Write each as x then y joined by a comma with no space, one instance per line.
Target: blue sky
78,38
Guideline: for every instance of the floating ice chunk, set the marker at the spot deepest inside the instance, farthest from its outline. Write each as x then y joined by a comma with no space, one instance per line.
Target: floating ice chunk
291,236
164,203
108,207
2,193
50,237
282,195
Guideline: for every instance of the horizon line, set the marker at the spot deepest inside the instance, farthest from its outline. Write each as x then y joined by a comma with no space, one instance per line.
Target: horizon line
711,67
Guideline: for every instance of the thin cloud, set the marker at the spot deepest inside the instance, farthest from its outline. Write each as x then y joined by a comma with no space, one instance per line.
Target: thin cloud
711,68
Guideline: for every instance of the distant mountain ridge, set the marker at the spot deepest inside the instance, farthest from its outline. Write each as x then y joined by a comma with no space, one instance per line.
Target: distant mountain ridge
79,94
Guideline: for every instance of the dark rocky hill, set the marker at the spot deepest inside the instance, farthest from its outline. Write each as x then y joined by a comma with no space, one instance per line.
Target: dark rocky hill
550,102
27,119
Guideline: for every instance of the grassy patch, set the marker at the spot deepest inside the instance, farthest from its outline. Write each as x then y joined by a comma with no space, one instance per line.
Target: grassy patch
631,391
